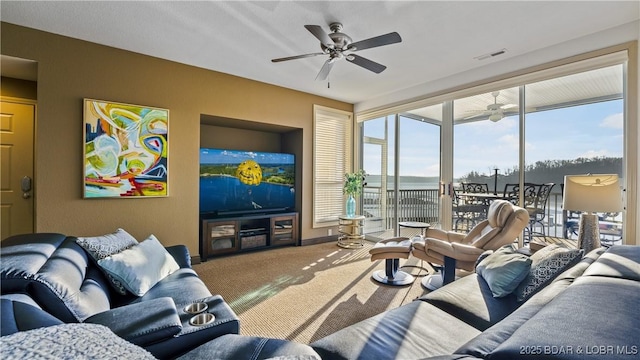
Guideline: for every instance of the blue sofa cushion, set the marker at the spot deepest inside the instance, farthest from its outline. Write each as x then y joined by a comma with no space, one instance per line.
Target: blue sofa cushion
18,316
232,346
566,328
413,331
56,272
470,300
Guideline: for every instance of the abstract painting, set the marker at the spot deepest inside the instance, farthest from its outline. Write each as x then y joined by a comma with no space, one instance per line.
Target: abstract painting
125,150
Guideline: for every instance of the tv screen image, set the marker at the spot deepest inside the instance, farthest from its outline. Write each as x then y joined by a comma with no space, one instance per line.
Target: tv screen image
236,181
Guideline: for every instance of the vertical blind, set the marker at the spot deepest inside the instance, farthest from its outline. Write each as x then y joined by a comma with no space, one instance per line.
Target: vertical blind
332,159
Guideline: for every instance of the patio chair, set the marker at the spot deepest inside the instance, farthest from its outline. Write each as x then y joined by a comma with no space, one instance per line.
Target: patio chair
538,210
452,250
466,213
512,193
475,188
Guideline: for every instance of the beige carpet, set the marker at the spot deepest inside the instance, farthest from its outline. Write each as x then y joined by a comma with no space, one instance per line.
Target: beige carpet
304,293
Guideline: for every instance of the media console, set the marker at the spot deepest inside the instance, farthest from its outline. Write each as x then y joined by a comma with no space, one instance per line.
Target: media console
221,236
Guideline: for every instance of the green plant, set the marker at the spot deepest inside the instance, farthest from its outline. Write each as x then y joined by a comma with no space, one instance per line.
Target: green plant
354,182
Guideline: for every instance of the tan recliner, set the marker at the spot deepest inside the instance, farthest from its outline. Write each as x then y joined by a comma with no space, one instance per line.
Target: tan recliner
504,223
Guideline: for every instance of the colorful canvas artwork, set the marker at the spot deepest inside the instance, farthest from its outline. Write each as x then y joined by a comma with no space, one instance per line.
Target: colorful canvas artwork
125,150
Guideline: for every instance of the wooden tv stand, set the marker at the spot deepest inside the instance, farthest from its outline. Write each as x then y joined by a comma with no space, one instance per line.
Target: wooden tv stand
222,236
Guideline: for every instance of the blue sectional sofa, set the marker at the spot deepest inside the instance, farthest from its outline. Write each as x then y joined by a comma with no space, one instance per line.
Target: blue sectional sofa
588,311
50,286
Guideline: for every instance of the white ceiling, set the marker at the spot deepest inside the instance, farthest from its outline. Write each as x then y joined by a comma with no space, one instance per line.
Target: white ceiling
439,38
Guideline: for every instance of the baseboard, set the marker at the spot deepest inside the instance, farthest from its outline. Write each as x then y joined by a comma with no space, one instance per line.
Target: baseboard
319,240
195,260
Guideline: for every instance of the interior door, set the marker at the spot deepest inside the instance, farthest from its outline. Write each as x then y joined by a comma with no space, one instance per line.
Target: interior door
16,175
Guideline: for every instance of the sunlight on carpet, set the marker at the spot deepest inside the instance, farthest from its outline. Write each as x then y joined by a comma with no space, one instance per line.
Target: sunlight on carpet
304,293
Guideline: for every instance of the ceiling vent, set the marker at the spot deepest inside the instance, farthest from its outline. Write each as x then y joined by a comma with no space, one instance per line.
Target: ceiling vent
491,54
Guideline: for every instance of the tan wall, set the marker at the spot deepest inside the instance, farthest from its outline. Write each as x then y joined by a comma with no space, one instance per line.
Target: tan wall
70,70
227,138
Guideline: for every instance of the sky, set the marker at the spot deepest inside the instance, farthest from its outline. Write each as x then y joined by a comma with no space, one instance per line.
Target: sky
562,134
222,156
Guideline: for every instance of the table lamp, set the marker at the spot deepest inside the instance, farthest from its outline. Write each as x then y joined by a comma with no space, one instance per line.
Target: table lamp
590,194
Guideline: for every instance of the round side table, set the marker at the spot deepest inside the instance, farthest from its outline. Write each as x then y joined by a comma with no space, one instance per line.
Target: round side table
423,226
351,234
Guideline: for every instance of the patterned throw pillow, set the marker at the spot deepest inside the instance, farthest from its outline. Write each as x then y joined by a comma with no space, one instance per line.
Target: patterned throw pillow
547,263
99,247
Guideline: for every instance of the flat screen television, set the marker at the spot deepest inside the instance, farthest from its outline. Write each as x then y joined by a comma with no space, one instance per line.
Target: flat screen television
236,182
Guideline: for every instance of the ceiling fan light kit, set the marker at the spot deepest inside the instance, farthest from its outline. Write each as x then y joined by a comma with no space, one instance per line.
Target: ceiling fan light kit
340,46
496,117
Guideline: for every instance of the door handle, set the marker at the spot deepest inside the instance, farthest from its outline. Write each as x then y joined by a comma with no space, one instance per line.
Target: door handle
25,186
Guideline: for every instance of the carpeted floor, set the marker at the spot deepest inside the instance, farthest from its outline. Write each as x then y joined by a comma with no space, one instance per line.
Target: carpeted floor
304,293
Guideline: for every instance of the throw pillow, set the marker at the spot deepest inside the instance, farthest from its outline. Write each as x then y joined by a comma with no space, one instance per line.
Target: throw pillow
504,270
482,257
547,263
99,247
140,267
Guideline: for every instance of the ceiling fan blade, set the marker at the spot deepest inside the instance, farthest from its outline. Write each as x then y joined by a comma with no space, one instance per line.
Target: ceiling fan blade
320,35
477,115
366,63
326,68
297,57
390,38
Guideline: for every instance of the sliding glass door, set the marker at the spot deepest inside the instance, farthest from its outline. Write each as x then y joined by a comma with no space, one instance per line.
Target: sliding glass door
515,143
582,134
486,150
401,155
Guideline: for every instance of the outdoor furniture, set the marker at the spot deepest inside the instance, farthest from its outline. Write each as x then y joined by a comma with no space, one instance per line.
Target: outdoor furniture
512,193
415,225
536,197
538,210
503,225
475,187
466,212
482,203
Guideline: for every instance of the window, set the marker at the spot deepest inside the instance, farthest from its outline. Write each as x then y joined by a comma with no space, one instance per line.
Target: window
332,158
535,128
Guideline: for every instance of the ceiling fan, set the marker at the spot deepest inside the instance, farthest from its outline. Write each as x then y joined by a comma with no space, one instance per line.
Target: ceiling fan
340,46
496,110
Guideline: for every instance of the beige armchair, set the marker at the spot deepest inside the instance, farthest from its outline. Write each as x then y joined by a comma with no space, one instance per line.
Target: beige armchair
504,223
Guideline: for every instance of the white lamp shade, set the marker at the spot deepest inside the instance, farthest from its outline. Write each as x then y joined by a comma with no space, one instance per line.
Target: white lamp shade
592,193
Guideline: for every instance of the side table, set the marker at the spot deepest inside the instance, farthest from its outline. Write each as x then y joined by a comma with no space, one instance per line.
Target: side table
351,236
423,226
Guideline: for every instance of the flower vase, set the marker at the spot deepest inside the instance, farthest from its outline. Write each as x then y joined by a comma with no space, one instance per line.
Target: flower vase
351,206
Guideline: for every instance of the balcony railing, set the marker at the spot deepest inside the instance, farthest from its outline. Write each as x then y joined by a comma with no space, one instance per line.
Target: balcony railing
422,205
413,205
